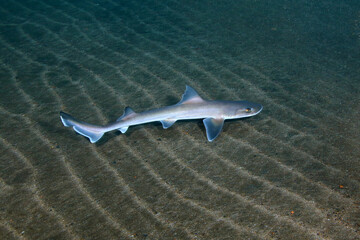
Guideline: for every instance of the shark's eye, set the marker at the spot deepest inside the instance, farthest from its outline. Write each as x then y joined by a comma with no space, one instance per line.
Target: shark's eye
248,110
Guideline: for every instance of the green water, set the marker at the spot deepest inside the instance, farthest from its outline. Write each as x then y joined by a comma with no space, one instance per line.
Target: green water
291,172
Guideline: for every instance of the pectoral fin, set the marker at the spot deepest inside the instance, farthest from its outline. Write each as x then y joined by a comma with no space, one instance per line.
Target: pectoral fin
213,127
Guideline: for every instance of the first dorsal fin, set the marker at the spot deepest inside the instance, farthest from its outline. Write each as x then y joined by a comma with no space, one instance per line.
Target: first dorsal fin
128,112
190,96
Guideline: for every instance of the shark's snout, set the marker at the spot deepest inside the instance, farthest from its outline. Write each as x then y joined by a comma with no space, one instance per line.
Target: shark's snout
247,109
258,108
254,108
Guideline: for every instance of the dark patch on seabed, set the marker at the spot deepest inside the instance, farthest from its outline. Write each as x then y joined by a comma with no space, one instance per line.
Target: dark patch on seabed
291,172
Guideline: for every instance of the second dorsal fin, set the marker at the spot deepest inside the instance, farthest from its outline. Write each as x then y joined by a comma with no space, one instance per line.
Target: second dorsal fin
190,96
128,112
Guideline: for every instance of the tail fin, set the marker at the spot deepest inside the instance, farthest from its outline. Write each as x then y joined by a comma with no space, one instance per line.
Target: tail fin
94,133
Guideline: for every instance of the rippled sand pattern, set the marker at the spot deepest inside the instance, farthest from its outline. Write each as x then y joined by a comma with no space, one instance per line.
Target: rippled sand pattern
291,172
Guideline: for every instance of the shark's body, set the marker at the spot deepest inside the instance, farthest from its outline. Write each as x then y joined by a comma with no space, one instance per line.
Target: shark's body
191,106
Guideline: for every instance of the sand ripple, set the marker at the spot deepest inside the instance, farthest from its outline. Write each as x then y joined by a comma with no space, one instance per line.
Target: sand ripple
290,172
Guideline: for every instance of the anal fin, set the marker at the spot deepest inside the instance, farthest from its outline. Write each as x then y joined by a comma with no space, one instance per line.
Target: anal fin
123,129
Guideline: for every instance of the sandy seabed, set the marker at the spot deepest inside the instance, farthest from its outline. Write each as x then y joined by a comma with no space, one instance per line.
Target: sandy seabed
291,172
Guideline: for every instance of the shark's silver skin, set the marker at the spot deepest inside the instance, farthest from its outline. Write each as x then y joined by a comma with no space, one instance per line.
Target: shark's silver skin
191,106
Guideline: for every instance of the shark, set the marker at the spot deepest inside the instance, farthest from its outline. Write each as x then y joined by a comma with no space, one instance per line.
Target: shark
191,106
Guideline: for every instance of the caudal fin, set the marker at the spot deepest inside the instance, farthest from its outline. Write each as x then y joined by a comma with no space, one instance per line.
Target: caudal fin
94,133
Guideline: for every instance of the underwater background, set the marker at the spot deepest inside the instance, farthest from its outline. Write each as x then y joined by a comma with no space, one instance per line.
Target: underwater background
290,172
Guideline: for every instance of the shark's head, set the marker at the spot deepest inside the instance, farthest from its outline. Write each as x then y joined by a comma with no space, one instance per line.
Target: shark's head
246,109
